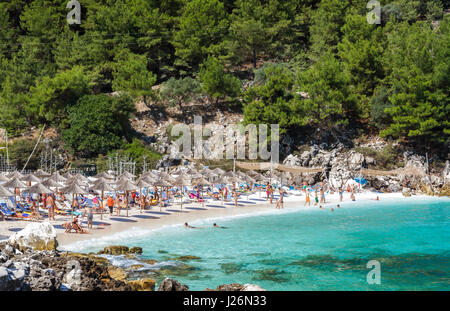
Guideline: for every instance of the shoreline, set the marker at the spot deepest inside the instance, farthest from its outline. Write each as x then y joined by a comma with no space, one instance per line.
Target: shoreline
111,229
136,225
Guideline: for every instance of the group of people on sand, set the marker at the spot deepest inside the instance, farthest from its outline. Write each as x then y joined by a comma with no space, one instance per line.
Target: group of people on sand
319,193
270,190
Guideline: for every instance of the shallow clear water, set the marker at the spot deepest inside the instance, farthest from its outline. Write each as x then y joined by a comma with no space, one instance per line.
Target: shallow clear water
310,249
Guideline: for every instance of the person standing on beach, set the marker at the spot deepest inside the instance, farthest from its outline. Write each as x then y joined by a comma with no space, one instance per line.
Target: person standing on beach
280,200
235,198
267,191
142,202
307,199
271,190
90,216
316,198
110,202
341,194
118,202
50,203
322,195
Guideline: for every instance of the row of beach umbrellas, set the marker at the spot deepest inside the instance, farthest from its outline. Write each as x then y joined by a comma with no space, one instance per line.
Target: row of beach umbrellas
78,184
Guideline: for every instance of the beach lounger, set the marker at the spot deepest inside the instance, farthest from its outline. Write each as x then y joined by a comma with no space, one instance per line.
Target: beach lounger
6,211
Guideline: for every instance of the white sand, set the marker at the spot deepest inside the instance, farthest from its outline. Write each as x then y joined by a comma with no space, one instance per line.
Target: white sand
174,215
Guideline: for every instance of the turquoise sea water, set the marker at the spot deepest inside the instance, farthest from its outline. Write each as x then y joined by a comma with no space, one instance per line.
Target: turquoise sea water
309,249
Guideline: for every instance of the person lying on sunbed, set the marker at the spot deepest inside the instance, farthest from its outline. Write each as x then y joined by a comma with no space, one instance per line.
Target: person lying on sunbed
73,225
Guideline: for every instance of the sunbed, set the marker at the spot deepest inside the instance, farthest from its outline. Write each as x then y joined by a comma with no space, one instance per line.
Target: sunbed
6,211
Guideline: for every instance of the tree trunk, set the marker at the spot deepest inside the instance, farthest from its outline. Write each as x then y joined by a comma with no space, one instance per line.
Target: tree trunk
254,58
144,97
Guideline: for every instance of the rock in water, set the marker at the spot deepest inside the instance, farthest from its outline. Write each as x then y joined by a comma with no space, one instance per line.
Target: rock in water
37,236
170,285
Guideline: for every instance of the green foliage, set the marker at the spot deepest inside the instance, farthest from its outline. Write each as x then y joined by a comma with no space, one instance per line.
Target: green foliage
52,96
202,28
387,158
181,90
378,103
21,149
215,82
248,31
98,124
417,59
131,75
329,100
271,102
392,77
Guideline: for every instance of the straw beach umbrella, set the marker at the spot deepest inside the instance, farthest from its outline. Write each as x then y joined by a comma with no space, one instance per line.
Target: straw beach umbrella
41,173
104,175
128,175
14,183
73,189
161,183
248,179
15,174
50,183
31,178
102,186
4,193
58,177
203,182
218,171
126,185
181,181
81,177
3,178
222,181
67,175
142,183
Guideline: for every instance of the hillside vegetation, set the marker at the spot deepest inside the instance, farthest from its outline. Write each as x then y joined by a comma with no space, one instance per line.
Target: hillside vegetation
304,64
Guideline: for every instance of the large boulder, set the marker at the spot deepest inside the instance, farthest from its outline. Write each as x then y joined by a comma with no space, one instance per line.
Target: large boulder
170,285
37,236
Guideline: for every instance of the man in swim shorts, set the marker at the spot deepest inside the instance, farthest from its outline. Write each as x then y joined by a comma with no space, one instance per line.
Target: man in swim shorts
50,203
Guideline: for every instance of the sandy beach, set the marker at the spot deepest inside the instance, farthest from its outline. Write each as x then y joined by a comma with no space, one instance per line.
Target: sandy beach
111,226
155,218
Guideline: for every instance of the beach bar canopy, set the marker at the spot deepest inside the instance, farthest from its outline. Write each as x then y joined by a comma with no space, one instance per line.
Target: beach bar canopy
405,171
269,165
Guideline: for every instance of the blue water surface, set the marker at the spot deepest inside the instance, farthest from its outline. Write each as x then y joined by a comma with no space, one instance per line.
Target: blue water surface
310,249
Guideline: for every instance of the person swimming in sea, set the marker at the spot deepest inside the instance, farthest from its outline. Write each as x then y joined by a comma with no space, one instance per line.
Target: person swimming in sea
217,226
186,225
338,206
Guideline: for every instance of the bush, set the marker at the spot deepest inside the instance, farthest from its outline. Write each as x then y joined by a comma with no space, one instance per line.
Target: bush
98,124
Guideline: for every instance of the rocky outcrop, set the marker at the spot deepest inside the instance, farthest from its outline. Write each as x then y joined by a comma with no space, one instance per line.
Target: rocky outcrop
170,285
341,164
53,271
37,236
